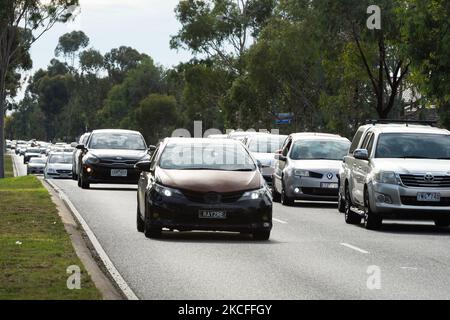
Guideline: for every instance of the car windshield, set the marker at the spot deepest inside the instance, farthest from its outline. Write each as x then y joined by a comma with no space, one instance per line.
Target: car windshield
413,145
226,156
266,144
123,141
319,149
60,158
37,160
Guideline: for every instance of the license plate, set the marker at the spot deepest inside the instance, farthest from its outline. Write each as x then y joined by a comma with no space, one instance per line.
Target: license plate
429,196
119,172
212,214
329,185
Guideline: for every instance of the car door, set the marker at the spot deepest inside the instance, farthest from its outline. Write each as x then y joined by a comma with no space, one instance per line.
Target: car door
281,164
360,171
145,179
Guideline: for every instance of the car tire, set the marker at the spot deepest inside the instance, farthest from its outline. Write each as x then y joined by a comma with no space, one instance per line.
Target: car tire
84,184
341,205
276,196
150,231
442,223
79,181
372,221
261,235
350,216
140,224
285,200
74,176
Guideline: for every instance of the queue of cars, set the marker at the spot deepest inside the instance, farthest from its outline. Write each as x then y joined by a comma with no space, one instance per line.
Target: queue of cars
390,170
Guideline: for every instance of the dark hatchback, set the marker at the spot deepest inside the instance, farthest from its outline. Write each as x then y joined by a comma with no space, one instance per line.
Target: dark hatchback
203,184
109,157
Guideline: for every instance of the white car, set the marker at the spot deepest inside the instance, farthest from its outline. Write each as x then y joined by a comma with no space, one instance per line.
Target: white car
59,165
397,172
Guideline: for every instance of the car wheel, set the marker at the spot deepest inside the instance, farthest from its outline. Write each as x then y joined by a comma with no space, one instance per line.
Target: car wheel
139,222
84,184
442,223
341,205
74,176
285,200
350,216
261,235
79,181
372,221
276,196
150,231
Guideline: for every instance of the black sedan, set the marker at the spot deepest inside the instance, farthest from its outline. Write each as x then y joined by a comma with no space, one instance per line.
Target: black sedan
109,156
203,184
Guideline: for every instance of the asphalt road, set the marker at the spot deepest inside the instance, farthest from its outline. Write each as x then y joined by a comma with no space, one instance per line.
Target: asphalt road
312,254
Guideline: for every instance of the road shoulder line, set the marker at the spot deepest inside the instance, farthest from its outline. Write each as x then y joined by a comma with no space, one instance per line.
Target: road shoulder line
113,272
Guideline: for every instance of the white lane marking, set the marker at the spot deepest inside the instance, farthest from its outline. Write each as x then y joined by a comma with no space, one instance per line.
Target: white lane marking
279,221
408,268
120,281
354,248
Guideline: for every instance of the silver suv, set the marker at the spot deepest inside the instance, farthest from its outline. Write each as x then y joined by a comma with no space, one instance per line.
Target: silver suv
396,171
307,167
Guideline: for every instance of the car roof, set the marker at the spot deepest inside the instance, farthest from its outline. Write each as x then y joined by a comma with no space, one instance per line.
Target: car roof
200,140
409,129
115,131
316,135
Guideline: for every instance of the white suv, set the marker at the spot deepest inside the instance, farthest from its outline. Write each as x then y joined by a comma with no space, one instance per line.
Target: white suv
396,171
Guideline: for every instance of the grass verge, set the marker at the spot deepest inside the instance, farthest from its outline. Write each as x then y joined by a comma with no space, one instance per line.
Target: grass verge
35,250
9,173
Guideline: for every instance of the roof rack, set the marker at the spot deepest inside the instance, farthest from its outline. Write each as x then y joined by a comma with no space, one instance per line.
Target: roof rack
406,122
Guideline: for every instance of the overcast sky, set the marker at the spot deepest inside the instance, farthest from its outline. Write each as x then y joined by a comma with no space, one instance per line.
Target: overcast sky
142,24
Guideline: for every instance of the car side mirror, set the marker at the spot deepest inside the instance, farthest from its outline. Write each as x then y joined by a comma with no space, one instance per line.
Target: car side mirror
280,157
260,166
151,149
361,154
143,166
80,147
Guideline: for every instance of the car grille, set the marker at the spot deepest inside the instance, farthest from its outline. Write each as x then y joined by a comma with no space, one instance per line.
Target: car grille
115,161
411,180
412,201
315,175
320,192
64,171
212,197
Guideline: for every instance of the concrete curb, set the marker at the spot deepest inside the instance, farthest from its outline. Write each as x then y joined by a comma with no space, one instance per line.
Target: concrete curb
113,272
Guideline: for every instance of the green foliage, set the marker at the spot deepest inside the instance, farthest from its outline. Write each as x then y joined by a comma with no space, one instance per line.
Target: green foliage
157,109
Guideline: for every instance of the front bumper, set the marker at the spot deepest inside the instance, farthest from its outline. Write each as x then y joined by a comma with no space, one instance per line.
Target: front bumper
180,213
402,202
310,188
99,173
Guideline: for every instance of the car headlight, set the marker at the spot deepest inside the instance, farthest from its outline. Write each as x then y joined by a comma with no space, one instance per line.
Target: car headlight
387,177
301,173
91,159
165,191
255,194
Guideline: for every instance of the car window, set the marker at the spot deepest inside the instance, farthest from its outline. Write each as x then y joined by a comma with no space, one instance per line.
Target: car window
413,145
370,144
60,158
121,141
206,155
355,140
319,149
287,147
266,144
